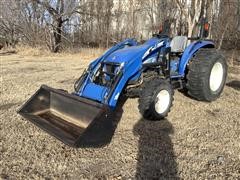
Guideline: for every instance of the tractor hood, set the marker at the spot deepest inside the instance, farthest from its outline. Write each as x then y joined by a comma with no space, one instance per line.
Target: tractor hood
128,54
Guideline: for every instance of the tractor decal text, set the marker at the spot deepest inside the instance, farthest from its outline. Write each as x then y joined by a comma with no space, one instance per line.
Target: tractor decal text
151,49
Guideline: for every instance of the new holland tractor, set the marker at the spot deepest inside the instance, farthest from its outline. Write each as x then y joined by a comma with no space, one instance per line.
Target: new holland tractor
150,71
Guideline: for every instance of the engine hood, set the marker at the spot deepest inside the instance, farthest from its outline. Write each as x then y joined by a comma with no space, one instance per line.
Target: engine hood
129,54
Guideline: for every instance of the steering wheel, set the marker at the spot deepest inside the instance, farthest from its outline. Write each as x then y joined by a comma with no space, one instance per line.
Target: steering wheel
160,36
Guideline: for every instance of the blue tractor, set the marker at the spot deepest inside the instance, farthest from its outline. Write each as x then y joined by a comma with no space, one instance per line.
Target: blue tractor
150,71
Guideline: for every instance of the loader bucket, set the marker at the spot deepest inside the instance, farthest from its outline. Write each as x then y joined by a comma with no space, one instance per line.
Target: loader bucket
63,115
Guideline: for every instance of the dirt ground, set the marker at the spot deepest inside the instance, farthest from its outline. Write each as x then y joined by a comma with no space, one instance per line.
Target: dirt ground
198,140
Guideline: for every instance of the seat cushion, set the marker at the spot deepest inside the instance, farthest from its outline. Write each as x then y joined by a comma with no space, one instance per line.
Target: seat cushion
178,44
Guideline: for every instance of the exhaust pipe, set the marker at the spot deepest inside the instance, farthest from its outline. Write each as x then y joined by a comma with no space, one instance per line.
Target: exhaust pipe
65,116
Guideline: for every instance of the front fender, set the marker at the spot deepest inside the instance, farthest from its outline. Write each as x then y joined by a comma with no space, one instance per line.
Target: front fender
190,51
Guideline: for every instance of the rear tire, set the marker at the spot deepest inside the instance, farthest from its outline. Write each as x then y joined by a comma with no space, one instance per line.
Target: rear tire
156,99
207,75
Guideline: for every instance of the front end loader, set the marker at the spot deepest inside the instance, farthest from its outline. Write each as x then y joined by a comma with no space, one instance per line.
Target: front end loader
150,71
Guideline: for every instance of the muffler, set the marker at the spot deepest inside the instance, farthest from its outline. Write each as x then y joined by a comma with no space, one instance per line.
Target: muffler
65,116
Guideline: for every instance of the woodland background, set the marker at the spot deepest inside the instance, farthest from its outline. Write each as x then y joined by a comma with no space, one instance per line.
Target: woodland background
60,24
198,140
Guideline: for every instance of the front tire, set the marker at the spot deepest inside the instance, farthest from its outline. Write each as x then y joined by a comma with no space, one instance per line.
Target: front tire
207,75
156,99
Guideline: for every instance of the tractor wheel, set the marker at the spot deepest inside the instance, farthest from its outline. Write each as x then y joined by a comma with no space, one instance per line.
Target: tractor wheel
156,99
207,75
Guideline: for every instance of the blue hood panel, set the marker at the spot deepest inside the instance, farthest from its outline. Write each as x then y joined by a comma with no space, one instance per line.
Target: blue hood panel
126,54
131,53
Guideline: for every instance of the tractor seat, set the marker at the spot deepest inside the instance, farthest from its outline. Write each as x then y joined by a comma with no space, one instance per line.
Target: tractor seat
178,44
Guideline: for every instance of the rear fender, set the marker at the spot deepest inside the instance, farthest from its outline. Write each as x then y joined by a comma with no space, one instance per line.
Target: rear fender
189,53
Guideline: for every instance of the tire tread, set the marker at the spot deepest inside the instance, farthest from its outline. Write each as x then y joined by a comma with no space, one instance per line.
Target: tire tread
198,73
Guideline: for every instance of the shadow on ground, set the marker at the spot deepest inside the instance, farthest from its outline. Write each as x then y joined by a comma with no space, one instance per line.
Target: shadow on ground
6,53
156,159
100,134
234,84
8,106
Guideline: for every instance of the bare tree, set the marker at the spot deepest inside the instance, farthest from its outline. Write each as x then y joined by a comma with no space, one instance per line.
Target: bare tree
60,12
96,23
192,11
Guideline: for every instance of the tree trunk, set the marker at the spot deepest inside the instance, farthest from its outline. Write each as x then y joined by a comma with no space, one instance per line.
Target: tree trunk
57,34
223,35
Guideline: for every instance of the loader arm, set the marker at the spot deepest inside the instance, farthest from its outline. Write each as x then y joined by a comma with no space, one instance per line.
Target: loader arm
94,65
105,82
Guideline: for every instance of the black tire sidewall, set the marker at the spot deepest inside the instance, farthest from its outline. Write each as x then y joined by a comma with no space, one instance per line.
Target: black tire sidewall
199,71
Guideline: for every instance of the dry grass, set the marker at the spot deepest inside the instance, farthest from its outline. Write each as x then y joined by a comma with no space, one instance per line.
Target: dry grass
198,140
32,51
68,53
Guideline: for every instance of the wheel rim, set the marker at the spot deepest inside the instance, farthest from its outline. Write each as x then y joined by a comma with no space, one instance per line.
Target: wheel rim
216,76
162,101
